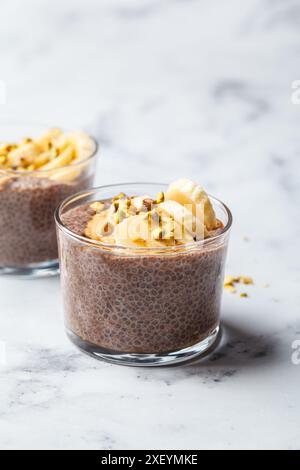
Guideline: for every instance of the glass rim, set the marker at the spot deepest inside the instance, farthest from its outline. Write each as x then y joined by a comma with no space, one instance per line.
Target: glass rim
8,171
89,241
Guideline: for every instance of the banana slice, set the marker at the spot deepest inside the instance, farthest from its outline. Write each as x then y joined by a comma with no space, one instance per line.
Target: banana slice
64,159
54,152
84,146
44,158
137,203
24,154
53,138
59,173
187,225
174,224
133,230
101,227
137,231
186,192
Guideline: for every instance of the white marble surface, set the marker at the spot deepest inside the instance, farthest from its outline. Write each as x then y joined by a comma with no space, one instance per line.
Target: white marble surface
170,88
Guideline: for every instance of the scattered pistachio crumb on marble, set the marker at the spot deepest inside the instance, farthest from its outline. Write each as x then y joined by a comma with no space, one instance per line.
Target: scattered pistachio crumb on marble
231,281
230,288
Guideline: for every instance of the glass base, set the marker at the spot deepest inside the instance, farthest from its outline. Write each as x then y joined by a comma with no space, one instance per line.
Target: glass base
34,270
146,360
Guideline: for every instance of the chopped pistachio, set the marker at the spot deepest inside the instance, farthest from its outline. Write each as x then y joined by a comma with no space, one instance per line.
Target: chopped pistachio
122,204
148,204
243,294
120,215
230,288
162,233
246,280
11,147
97,206
153,216
229,280
159,198
119,196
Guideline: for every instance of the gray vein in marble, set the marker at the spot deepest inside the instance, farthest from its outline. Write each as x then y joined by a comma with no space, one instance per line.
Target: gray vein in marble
241,91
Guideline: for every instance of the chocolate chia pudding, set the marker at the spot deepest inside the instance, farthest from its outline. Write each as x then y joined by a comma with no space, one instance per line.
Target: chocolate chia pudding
27,229
153,296
35,176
